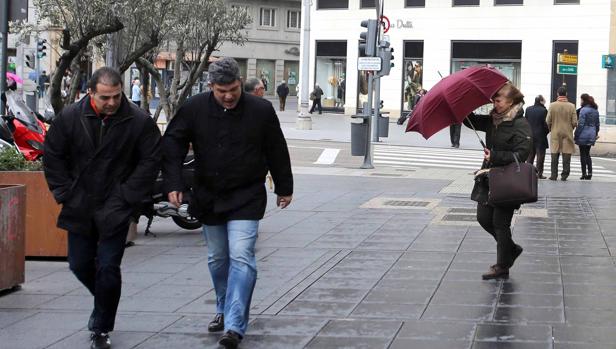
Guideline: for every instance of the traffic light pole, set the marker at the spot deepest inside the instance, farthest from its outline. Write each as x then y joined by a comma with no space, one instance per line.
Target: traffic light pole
367,114
4,31
377,107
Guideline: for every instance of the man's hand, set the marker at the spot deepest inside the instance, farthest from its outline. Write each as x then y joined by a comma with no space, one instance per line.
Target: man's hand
284,201
175,198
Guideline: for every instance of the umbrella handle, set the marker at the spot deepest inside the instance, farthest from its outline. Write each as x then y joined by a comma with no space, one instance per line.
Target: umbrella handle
478,137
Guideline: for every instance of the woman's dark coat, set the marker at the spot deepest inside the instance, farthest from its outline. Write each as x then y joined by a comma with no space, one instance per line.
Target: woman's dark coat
100,173
233,150
588,126
536,115
504,140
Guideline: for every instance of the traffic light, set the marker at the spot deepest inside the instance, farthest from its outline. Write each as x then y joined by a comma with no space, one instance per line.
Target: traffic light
387,58
40,48
29,60
367,46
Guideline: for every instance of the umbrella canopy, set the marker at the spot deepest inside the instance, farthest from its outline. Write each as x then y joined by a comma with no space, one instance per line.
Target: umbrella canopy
14,77
453,98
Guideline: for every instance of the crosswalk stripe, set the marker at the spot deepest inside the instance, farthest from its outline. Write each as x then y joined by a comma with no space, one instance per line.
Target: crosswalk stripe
416,157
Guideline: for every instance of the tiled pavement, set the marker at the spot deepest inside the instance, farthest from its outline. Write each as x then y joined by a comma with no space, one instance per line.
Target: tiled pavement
335,275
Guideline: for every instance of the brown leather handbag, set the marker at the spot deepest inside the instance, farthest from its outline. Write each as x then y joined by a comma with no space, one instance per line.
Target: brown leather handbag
513,184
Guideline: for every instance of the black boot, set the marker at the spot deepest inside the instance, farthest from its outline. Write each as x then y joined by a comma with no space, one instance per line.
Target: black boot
540,161
554,168
566,167
218,324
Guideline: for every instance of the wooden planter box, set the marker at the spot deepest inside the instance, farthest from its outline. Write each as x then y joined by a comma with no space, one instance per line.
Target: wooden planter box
12,231
43,238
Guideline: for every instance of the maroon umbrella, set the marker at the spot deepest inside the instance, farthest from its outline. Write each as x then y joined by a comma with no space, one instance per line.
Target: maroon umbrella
453,98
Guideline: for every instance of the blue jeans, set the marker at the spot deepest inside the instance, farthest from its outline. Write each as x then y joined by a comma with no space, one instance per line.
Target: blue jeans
233,266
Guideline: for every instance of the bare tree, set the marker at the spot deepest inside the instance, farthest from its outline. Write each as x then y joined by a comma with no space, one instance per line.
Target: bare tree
82,22
200,28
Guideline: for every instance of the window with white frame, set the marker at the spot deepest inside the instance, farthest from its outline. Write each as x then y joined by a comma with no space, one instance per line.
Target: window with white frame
293,19
267,17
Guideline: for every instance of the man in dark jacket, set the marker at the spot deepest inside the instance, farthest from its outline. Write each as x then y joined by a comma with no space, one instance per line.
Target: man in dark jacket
236,138
101,159
316,95
283,92
536,115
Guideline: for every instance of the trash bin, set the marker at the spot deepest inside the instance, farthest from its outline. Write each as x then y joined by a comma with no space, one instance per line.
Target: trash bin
359,134
383,124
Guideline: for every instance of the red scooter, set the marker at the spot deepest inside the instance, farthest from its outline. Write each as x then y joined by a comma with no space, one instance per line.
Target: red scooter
26,129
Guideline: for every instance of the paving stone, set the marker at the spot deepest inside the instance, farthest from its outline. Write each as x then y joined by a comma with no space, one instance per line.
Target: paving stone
348,343
431,330
336,309
406,343
360,328
508,333
286,326
388,310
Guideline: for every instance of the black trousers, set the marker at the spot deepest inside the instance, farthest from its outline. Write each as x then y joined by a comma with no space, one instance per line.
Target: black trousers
316,102
497,222
96,263
540,153
585,159
454,134
283,102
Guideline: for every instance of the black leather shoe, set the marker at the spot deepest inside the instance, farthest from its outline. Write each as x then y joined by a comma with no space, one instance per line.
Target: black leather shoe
552,178
218,324
589,177
230,340
496,272
517,251
542,177
100,341
583,178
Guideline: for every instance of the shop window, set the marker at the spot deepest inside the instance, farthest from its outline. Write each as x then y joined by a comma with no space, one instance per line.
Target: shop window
465,2
415,3
367,4
565,2
268,17
332,4
508,2
331,64
293,19
412,78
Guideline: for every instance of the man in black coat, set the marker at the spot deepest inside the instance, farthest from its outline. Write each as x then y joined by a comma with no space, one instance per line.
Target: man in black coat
283,92
100,160
236,138
536,115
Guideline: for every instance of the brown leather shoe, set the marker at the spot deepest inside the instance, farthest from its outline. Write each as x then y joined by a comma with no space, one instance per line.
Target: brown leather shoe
496,272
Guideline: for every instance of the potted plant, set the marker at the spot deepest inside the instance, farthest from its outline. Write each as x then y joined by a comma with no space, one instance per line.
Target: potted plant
43,238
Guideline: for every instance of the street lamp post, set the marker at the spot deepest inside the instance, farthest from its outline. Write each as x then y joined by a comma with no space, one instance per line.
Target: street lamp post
304,121
4,32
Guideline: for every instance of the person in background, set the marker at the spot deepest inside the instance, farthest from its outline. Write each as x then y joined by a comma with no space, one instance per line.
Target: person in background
283,91
536,115
508,136
561,120
586,133
316,95
255,87
135,96
43,80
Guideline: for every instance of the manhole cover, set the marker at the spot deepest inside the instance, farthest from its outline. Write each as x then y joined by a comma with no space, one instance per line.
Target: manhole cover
462,210
406,203
458,218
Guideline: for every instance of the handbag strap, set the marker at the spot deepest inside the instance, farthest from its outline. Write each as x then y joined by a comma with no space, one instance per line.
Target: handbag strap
517,161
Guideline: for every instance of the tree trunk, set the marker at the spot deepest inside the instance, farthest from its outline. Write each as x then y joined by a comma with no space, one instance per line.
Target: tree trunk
163,104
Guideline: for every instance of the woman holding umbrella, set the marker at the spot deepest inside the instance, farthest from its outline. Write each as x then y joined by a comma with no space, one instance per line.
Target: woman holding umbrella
508,135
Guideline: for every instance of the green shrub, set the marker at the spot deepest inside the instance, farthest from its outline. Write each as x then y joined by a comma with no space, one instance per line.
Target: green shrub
12,160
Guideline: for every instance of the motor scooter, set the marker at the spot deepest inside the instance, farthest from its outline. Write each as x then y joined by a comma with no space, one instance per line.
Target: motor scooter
26,128
157,204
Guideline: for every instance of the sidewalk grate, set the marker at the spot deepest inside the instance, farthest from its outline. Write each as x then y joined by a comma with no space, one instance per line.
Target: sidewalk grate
467,210
458,218
406,203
